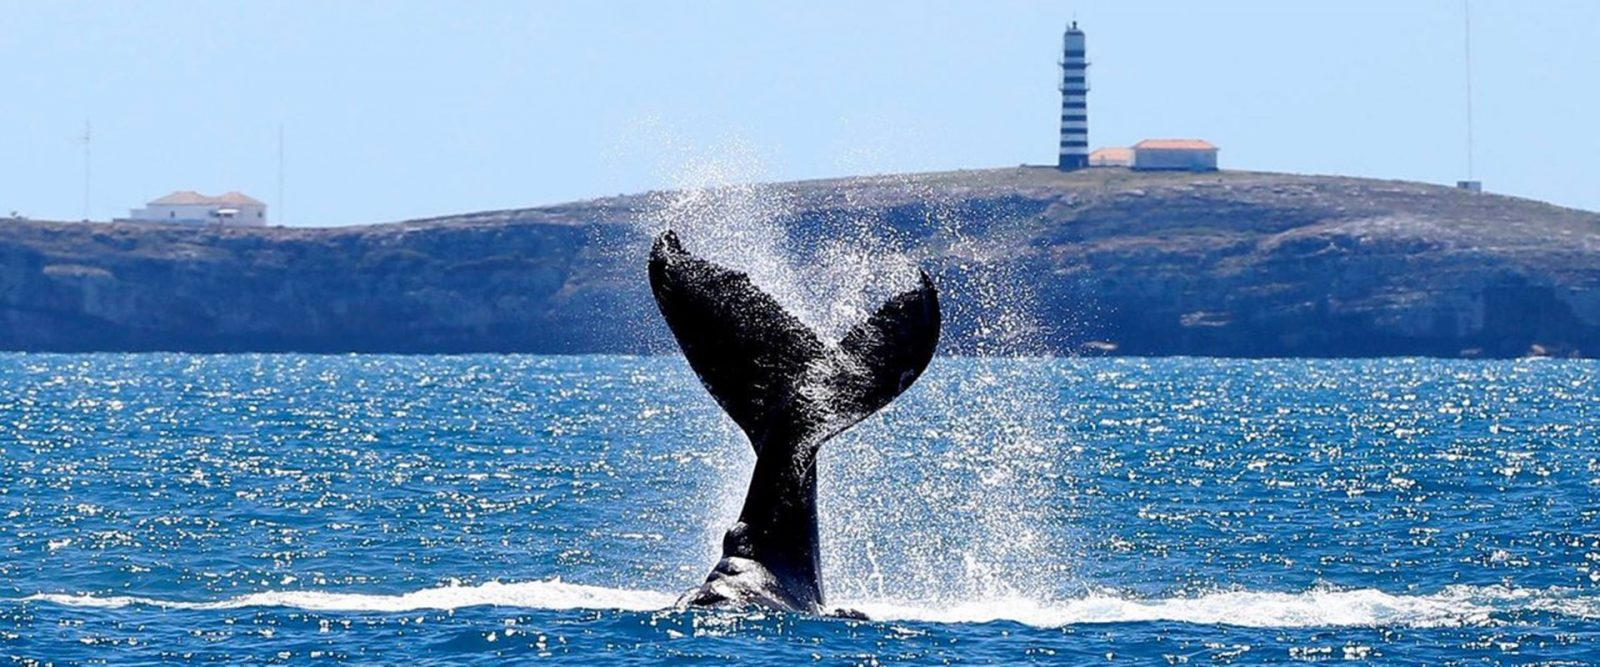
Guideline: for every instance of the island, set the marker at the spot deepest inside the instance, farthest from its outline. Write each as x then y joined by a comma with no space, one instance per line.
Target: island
1111,261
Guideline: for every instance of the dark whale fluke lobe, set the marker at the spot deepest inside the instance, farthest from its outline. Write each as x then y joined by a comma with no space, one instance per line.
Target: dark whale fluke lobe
789,391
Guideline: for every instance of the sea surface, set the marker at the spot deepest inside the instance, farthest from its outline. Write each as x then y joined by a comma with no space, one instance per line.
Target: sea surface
250,509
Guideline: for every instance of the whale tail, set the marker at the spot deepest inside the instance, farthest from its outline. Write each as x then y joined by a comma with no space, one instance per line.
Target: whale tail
789,391
767,369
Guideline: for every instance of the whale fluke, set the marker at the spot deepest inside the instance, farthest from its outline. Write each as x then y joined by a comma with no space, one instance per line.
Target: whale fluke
789,391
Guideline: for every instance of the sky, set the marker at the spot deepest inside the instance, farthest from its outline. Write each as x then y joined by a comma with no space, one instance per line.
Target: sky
394,110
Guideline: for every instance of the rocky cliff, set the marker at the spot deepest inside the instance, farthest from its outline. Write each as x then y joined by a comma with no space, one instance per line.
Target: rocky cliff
1228,263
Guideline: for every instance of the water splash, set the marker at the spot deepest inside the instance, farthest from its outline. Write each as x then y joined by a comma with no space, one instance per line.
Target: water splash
829,270
974,522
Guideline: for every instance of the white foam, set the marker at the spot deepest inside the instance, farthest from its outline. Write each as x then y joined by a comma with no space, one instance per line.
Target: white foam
1453,606
553,594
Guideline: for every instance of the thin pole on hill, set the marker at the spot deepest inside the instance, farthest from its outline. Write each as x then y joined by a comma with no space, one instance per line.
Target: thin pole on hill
85,139
1466,15
280,174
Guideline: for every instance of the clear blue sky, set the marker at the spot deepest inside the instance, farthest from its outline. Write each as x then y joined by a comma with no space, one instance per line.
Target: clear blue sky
401,109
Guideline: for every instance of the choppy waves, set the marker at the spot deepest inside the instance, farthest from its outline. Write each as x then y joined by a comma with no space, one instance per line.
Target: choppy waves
1452,607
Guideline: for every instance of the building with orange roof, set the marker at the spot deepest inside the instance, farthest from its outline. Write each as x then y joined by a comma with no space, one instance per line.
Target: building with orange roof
1111,156
1175,154
190,207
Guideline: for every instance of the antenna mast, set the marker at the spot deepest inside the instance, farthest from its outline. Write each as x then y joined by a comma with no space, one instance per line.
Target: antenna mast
280,173
1466,15
85,139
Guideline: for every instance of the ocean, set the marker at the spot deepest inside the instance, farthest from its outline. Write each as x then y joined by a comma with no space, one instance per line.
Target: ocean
253,509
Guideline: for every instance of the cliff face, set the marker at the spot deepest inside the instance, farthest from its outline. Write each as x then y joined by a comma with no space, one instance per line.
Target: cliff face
1231,263
524,285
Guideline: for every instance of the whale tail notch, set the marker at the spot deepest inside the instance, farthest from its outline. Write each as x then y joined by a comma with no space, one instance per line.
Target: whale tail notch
767,369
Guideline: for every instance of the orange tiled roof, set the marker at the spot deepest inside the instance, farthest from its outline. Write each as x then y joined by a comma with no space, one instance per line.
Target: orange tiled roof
233,198
1176,144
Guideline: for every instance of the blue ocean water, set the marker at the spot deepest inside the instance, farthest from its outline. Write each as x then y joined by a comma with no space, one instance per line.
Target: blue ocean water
451,510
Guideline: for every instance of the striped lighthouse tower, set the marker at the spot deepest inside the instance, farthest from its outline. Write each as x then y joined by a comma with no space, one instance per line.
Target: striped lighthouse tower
1074,108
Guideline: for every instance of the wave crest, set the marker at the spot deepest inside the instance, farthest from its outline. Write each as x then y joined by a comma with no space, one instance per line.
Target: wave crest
1454,606
553,594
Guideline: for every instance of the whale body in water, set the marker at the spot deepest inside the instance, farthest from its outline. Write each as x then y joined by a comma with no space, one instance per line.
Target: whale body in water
789,391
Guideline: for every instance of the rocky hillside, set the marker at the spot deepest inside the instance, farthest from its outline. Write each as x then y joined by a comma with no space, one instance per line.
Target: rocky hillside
1230,263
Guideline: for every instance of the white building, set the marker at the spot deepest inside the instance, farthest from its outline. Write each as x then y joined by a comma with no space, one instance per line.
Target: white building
188,206
1178,154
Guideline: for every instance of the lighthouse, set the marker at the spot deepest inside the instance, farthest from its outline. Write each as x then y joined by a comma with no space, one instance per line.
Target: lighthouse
1074,108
